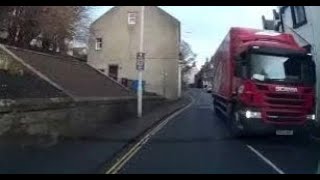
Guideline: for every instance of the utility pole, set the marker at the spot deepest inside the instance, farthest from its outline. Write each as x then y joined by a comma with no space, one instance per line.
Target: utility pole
180,65
140,66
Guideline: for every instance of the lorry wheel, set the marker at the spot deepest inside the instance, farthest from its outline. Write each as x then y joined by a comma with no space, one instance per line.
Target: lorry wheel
237,129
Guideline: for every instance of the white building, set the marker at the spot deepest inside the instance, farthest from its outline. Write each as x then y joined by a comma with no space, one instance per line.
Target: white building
303,22
114,43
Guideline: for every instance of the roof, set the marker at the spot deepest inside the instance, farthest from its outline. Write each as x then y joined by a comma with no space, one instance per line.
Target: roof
74,77
107,12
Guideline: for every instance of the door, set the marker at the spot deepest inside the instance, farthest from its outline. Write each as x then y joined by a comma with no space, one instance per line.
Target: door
113,72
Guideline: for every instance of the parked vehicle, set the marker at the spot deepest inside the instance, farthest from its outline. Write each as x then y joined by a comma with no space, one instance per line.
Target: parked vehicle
263,82
207,88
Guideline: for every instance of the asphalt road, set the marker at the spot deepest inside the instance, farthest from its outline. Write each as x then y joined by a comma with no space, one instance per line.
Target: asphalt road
196,141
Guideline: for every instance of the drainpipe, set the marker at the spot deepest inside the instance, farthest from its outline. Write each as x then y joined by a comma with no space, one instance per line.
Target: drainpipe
164,84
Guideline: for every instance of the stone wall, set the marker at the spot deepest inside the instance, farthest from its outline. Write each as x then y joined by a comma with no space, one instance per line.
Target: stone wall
64,117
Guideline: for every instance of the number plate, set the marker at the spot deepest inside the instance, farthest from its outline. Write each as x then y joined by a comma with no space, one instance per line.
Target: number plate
284,132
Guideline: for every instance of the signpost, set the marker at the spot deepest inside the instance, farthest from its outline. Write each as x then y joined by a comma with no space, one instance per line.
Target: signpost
140,64
140,61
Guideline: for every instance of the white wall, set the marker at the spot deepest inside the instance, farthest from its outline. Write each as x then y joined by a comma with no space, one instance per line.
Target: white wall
305,30
310,32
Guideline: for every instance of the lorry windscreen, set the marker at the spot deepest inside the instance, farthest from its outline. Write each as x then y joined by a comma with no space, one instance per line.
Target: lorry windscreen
298,69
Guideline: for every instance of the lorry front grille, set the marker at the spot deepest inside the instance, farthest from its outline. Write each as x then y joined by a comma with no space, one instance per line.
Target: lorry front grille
284,99
283,107
283,95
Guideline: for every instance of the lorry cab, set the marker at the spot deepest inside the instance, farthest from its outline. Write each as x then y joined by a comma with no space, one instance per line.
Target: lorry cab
275,85
272,83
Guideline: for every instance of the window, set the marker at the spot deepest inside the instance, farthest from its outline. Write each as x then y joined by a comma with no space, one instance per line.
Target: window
298,16
132,18
282,68
98,43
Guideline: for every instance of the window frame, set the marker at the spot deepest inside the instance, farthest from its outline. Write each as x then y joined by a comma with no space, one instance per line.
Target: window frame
98,48
296,24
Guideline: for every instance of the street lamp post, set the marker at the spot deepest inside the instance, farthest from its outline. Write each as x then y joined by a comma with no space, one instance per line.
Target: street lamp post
141,49
180,65
179,79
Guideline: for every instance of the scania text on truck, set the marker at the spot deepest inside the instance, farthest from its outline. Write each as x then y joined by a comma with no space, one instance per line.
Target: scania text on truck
264,82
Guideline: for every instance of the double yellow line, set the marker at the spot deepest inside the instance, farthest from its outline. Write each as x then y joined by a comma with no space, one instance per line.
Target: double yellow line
116,167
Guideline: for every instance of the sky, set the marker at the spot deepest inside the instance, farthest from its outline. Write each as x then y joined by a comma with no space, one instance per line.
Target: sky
204,27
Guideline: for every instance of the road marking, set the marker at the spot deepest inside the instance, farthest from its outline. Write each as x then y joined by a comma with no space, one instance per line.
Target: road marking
126,157
266,160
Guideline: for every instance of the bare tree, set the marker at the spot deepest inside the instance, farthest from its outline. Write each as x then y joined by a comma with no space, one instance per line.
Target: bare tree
188,56
64,22
52,25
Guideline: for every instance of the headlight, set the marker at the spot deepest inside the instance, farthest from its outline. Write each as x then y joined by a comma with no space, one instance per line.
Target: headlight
311,117
251,114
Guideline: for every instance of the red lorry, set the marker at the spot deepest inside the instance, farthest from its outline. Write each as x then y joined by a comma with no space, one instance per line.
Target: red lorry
263,82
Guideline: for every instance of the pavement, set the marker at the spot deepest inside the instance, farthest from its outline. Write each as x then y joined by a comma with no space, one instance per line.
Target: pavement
81,155
197,141
192,140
